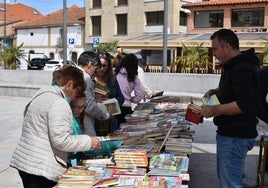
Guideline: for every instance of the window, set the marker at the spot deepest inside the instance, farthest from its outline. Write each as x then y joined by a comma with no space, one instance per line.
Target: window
207,19
121,24
247,17
155,18
183,18
121,2
96,4
96,25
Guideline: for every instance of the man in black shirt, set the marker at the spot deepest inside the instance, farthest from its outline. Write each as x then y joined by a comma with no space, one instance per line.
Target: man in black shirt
235,117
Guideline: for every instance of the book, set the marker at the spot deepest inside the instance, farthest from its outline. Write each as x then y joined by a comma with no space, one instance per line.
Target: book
100,91
107,182
78,173
211,101
110,105
192,114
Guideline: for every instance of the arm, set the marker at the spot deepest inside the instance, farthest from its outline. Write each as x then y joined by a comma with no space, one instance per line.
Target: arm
224,109
92,107
138,94
146,90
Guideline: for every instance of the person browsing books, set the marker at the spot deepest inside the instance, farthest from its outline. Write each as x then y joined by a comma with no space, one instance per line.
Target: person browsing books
127,77
87,62
47,131
235,116
109,88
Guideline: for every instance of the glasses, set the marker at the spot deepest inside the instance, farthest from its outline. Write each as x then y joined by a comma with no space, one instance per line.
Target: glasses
75,107
103,66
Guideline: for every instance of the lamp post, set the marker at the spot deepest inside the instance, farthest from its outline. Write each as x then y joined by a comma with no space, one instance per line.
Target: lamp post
165,36
64,37
5,29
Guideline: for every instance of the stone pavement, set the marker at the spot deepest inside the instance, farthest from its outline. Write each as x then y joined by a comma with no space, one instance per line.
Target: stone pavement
202,161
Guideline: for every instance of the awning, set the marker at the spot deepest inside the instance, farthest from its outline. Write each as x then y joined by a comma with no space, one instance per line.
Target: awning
154,41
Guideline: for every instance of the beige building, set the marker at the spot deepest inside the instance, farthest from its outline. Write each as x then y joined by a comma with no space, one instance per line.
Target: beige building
108,20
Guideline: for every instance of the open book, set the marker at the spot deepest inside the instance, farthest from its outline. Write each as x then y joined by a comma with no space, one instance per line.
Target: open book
110,105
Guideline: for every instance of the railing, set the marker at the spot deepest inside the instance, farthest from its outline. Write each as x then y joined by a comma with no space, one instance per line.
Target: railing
159,69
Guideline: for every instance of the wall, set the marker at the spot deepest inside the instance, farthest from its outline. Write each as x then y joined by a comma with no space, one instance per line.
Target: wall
24,83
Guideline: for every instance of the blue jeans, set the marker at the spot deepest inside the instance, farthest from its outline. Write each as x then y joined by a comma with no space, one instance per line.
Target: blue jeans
231,155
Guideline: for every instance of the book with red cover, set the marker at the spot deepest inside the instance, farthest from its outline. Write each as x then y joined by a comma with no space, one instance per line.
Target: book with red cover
192,115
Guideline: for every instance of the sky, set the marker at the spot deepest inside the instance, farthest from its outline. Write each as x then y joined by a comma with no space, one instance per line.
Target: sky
48,6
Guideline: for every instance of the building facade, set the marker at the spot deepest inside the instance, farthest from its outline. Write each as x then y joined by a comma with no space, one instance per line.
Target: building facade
45,35
108,20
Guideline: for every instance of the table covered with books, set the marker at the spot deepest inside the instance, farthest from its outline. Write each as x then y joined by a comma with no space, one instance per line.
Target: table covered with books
151,150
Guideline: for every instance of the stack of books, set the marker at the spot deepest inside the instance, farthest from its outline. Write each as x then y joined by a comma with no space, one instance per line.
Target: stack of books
179,146
170,168
131,157
78,177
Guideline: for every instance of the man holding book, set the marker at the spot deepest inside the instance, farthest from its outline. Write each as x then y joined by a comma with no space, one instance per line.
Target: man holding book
235,116
87,62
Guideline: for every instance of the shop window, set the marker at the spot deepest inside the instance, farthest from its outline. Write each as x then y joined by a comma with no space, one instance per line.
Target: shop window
121,24
96,25
155,18
208,19
96,4
247,17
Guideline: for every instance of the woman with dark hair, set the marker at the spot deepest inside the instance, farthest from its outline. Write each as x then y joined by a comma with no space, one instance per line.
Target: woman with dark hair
47,132
127,76
106,81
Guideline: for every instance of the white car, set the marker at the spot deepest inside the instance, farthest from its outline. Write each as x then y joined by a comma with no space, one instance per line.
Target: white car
54,64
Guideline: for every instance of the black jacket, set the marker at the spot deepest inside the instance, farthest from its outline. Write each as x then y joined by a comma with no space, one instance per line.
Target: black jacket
239,82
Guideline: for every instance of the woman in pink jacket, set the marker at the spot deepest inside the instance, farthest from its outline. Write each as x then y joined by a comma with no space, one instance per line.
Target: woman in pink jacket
127,77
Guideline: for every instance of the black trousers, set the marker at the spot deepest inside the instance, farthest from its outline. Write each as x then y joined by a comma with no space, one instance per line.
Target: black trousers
34,181
124,112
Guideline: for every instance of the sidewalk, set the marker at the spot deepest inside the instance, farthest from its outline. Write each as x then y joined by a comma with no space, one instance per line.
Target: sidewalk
202,161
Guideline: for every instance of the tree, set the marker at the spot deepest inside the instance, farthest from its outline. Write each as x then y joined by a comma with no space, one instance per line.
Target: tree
110,47
264,55
10,54
193,58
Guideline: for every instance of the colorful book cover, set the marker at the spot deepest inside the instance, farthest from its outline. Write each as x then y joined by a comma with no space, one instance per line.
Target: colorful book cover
211,101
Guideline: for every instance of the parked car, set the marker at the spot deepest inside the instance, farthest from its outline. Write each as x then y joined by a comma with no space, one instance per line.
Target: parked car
54,64
37,63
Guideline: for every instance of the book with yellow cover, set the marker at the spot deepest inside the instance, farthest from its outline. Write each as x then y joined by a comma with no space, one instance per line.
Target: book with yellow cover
211,101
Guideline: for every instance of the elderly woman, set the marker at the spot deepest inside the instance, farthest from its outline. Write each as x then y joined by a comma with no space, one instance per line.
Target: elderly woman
47,131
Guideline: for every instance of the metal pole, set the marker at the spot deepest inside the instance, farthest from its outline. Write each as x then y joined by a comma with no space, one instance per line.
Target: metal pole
5,22
165,36
64,37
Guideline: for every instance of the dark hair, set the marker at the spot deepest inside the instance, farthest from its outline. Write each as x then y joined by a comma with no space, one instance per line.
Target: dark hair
88,56
63,75
109,75
228,36
130,63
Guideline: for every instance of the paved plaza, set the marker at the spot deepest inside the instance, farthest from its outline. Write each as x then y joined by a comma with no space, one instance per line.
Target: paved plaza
202,161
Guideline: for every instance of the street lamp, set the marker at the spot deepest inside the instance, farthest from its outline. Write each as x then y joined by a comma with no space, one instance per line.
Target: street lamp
5,29
64,33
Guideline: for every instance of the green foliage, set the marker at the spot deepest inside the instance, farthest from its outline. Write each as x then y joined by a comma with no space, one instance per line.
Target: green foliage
264,54
10,54
193,57
110,47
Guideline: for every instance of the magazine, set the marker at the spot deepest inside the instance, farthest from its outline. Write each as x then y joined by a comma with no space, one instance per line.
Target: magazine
110,105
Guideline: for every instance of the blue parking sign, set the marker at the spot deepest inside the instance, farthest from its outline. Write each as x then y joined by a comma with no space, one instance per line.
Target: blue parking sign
96,41
71,41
